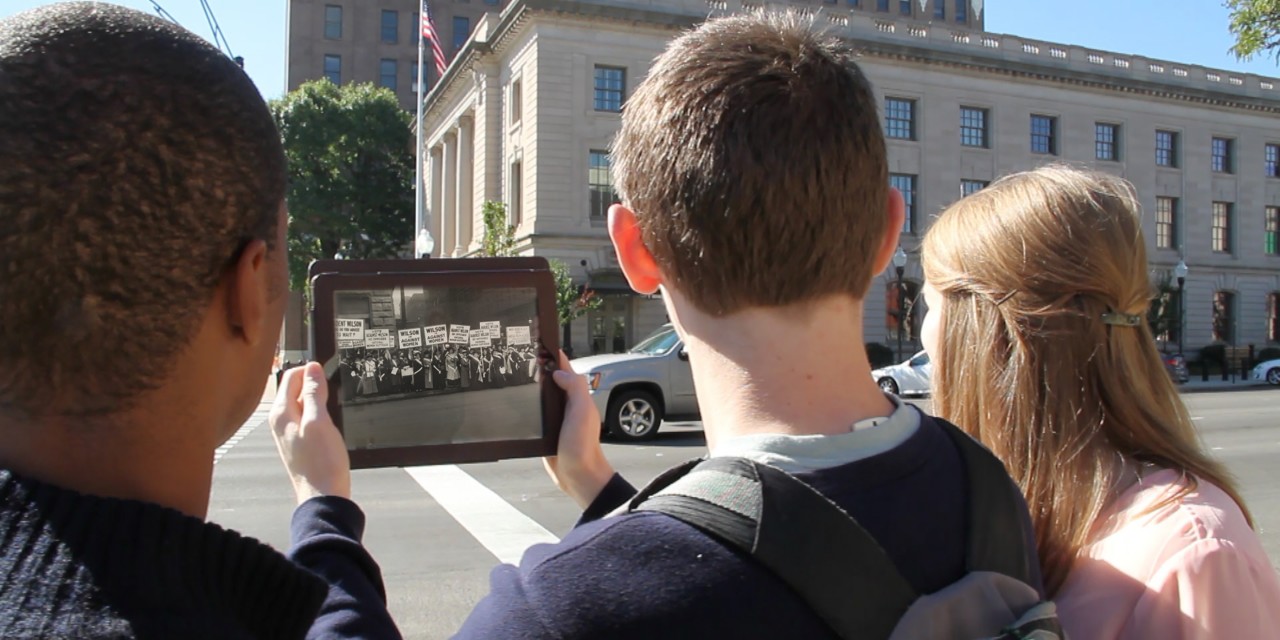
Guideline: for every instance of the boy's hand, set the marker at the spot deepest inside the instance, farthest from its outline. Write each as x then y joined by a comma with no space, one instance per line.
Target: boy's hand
310,446
579,467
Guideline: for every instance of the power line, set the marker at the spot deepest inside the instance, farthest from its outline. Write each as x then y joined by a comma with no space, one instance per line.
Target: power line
219,39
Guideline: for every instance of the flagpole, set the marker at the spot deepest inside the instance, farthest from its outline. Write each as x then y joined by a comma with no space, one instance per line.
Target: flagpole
420,220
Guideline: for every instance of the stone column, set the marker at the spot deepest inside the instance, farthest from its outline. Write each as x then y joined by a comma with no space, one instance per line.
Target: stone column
466,186
449,209
435,211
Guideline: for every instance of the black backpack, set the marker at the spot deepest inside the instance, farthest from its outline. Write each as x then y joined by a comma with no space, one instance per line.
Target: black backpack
840,569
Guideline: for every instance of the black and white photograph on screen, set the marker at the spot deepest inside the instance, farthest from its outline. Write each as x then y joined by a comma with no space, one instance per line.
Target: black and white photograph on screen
437,365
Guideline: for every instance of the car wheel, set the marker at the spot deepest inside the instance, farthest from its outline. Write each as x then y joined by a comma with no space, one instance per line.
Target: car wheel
634,415
1273,376
889,385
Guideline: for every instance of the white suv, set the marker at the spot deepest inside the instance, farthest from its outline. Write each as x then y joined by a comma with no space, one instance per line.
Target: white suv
635,390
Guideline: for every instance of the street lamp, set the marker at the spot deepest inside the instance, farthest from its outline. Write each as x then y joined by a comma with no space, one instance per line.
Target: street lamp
425,244
1180,272
899,264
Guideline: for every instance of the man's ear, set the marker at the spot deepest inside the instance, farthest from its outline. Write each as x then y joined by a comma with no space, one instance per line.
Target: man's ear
638,264
896,210
249,294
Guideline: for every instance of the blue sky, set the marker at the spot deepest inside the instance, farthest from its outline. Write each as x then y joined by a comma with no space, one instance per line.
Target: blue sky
1188,31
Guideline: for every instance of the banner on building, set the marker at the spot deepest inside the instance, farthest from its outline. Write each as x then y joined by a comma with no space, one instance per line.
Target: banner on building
350,333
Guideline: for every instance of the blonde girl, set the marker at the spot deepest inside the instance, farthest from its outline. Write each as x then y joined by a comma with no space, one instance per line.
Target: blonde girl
1038,288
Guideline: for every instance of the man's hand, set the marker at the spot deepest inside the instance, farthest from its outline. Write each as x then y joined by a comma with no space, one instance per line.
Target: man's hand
310,445
579,468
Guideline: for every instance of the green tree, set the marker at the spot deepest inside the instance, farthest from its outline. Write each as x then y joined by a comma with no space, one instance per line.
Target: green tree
1256,27
350,153
500,241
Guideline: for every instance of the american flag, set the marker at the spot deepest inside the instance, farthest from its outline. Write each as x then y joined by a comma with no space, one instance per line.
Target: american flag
429,34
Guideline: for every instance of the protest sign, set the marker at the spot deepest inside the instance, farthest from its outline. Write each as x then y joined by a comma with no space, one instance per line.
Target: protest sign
491,329
410,338
459,334
379,339
350,333
517,336
438,334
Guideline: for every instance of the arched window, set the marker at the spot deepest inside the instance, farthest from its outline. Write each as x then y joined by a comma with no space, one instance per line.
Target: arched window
903,310
1224,320
1273,317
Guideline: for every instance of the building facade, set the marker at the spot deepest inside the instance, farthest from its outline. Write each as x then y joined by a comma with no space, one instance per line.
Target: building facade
526,114
374,41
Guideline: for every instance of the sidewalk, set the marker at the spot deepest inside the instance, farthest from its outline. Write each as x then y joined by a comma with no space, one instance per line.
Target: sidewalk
1216,383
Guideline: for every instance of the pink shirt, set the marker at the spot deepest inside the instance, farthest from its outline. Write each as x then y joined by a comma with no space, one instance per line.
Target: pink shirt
1190,569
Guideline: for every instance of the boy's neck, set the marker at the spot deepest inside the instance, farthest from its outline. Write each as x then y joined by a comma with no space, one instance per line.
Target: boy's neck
783,371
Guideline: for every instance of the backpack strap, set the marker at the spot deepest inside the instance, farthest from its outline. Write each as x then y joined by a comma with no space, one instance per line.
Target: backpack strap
800,535
996,534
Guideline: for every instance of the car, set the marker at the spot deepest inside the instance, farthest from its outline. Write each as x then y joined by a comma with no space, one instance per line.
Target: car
1267,371
1176,365
906,378
636,390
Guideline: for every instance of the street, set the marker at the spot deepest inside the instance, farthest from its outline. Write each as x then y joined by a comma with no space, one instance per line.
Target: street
438,531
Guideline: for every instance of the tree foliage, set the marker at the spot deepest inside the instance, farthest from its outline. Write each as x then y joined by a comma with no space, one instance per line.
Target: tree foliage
350,153
1256,27
500,242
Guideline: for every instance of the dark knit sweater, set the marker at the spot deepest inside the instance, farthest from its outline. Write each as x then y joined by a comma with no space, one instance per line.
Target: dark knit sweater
647,575
77,566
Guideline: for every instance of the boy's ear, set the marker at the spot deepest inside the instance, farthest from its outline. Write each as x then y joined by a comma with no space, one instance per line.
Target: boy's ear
638,264
897,213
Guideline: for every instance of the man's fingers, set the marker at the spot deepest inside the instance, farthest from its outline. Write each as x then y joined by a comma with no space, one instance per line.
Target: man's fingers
314,391
570,382
286,407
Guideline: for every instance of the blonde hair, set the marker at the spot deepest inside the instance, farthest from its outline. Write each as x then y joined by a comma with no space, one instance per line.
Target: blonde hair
1028,267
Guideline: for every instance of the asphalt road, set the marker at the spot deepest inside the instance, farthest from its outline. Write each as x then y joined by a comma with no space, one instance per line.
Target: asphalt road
438,531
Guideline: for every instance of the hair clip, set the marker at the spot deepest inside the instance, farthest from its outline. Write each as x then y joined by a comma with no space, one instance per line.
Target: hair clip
1005,298
1122,319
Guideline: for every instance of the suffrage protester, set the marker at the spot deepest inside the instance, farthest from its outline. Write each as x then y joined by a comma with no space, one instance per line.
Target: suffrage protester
1038,288
142,186
719,166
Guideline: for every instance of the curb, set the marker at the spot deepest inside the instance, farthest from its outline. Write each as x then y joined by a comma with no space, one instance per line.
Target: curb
1227,386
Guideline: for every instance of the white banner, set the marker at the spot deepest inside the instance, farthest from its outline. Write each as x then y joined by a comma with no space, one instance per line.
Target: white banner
459,334
379,339
491,329
350,333
410,338
438,334
518,335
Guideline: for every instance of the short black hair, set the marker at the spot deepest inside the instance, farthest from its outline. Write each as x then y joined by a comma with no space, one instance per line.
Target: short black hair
136,162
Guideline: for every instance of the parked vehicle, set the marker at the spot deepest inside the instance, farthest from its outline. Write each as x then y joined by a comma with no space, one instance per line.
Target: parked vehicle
635,391
1176,365
906,378
1268,371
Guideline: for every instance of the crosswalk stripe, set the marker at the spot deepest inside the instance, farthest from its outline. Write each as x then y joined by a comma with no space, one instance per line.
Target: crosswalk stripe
500,527
256,420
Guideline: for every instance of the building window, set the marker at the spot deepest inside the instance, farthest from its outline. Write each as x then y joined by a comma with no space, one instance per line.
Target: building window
1222,227
901,310
609,88
1166,222
390,26
413,77
1044,134
461,29
1271,242
904,7
492,3
333,21
906,184
1273,317
900,118
882,5
333,68
855,3
1165,309
939,9
962,10
517,102
1224,322
970,187
414,31
1167,149
387,74
600,184
1107,141
1273,161
517,193
1222,148
973,127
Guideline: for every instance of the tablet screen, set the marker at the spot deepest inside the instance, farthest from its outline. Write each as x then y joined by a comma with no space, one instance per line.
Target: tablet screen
437,365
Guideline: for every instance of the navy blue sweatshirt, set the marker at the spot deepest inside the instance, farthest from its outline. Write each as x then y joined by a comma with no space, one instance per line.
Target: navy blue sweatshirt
647,575
78,566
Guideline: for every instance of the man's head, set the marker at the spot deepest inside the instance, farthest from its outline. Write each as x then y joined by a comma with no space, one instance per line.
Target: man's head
753,161
141,188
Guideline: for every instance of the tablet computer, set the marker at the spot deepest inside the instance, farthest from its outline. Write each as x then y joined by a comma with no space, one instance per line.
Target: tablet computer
439,361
